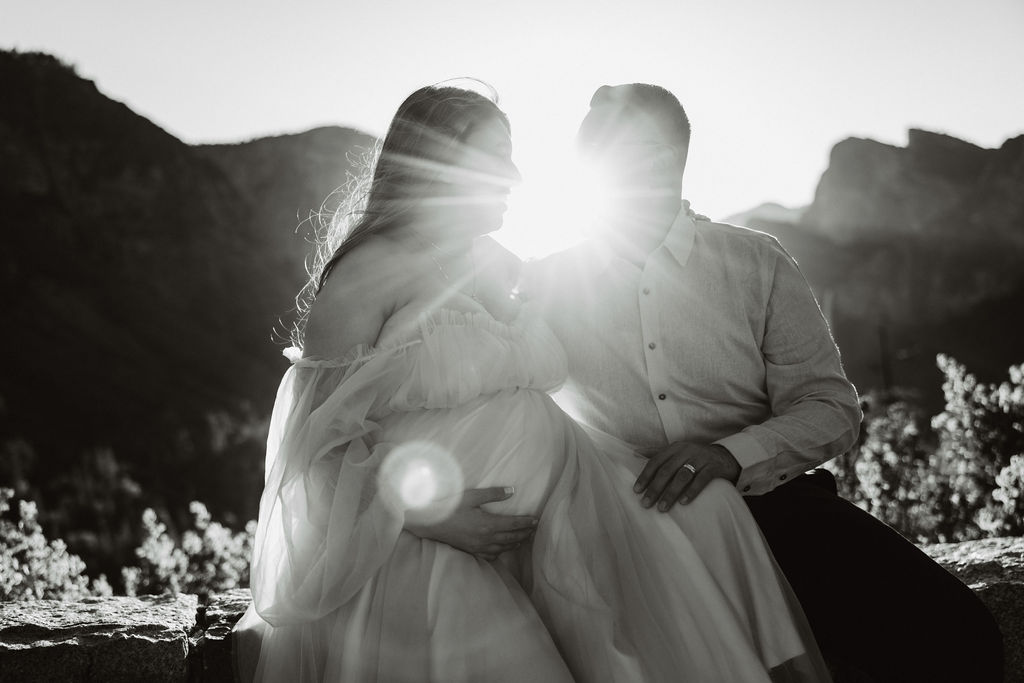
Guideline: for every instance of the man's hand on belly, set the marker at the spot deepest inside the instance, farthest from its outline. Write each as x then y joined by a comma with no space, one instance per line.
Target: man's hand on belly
474,530
680,471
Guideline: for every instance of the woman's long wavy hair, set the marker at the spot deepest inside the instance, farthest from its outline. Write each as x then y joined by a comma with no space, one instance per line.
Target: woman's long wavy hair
419,146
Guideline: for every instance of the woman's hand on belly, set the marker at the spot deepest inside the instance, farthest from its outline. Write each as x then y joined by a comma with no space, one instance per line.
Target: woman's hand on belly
472,529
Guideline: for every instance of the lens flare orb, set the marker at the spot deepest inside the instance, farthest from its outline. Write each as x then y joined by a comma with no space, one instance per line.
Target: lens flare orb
421,478
418,485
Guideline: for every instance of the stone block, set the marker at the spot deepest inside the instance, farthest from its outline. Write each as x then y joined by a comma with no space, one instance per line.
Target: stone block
212,658
994,569
98,639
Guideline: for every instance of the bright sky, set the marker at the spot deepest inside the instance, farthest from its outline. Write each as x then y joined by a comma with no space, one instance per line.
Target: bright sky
769,86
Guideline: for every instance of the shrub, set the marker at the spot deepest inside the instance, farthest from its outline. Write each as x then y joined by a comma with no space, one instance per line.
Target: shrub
961,480
32,568
981,438
210,558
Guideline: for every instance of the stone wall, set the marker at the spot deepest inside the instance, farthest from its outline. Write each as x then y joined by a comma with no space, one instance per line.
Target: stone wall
994,568
159,639
178,639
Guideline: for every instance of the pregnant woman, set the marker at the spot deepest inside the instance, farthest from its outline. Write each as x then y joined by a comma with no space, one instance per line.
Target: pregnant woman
415,376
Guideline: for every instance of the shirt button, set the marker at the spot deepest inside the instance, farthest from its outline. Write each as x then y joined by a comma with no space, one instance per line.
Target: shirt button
782,477
661,397
652,345
647,290
746,488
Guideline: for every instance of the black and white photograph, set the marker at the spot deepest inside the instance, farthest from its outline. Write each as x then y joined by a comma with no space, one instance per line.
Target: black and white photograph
383,341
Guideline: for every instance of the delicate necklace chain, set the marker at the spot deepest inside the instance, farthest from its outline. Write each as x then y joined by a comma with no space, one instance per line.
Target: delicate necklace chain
441,269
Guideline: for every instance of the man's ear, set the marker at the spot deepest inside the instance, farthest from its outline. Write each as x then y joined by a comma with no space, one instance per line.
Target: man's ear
681,159
669,158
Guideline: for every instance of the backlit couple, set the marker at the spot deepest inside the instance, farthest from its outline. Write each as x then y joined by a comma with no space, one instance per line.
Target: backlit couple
431,513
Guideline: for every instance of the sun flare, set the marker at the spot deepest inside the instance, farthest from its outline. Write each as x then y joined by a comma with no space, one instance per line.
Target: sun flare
559,201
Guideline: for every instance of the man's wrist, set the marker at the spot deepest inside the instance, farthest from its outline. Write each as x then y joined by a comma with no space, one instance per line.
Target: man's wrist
730,463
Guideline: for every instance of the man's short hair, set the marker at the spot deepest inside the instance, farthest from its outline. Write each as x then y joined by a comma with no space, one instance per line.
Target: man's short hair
654,102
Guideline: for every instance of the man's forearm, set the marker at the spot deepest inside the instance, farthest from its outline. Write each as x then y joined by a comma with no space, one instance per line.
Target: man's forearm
809,433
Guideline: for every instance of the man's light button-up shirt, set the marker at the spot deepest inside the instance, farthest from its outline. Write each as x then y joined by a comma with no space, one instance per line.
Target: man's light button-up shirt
716,339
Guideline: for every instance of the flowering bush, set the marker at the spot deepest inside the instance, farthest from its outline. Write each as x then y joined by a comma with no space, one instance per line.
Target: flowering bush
1004,514
210,558
32,568
962,480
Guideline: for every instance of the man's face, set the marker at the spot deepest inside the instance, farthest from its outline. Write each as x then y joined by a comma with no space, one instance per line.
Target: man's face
628,149
628,142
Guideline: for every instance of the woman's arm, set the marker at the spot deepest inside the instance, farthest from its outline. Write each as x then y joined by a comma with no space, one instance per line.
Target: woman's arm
351,308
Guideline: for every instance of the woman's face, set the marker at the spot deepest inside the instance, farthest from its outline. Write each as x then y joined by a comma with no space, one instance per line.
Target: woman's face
477,185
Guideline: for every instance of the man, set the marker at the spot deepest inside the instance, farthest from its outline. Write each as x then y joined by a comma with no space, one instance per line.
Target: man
703,342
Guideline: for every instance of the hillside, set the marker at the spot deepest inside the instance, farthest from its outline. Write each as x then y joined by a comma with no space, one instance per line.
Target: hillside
143,281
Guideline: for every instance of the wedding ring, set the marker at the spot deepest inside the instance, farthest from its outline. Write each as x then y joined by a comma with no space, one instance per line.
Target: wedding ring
688,466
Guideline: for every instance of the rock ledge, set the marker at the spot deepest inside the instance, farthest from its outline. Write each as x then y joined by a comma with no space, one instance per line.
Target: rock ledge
176,639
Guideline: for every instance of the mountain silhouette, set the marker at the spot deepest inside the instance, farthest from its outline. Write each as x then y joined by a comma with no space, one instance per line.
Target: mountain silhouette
147,288
914,251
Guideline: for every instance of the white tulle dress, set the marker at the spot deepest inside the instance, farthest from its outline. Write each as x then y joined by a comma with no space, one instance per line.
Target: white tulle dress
606,590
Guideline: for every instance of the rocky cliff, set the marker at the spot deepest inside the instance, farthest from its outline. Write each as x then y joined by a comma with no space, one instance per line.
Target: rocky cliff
913,251
937,188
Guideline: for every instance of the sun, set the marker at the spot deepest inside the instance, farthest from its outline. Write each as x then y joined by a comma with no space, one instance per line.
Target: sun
555,206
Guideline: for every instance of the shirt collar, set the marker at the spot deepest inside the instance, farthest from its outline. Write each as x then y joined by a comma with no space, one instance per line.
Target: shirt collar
678,242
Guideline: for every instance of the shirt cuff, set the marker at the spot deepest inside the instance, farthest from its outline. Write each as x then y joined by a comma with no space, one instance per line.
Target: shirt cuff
748,453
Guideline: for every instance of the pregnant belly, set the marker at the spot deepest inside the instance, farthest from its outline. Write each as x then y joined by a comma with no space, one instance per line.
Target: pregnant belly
513,438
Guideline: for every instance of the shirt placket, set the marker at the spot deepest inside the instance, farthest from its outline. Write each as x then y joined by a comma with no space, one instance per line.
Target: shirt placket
653,344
